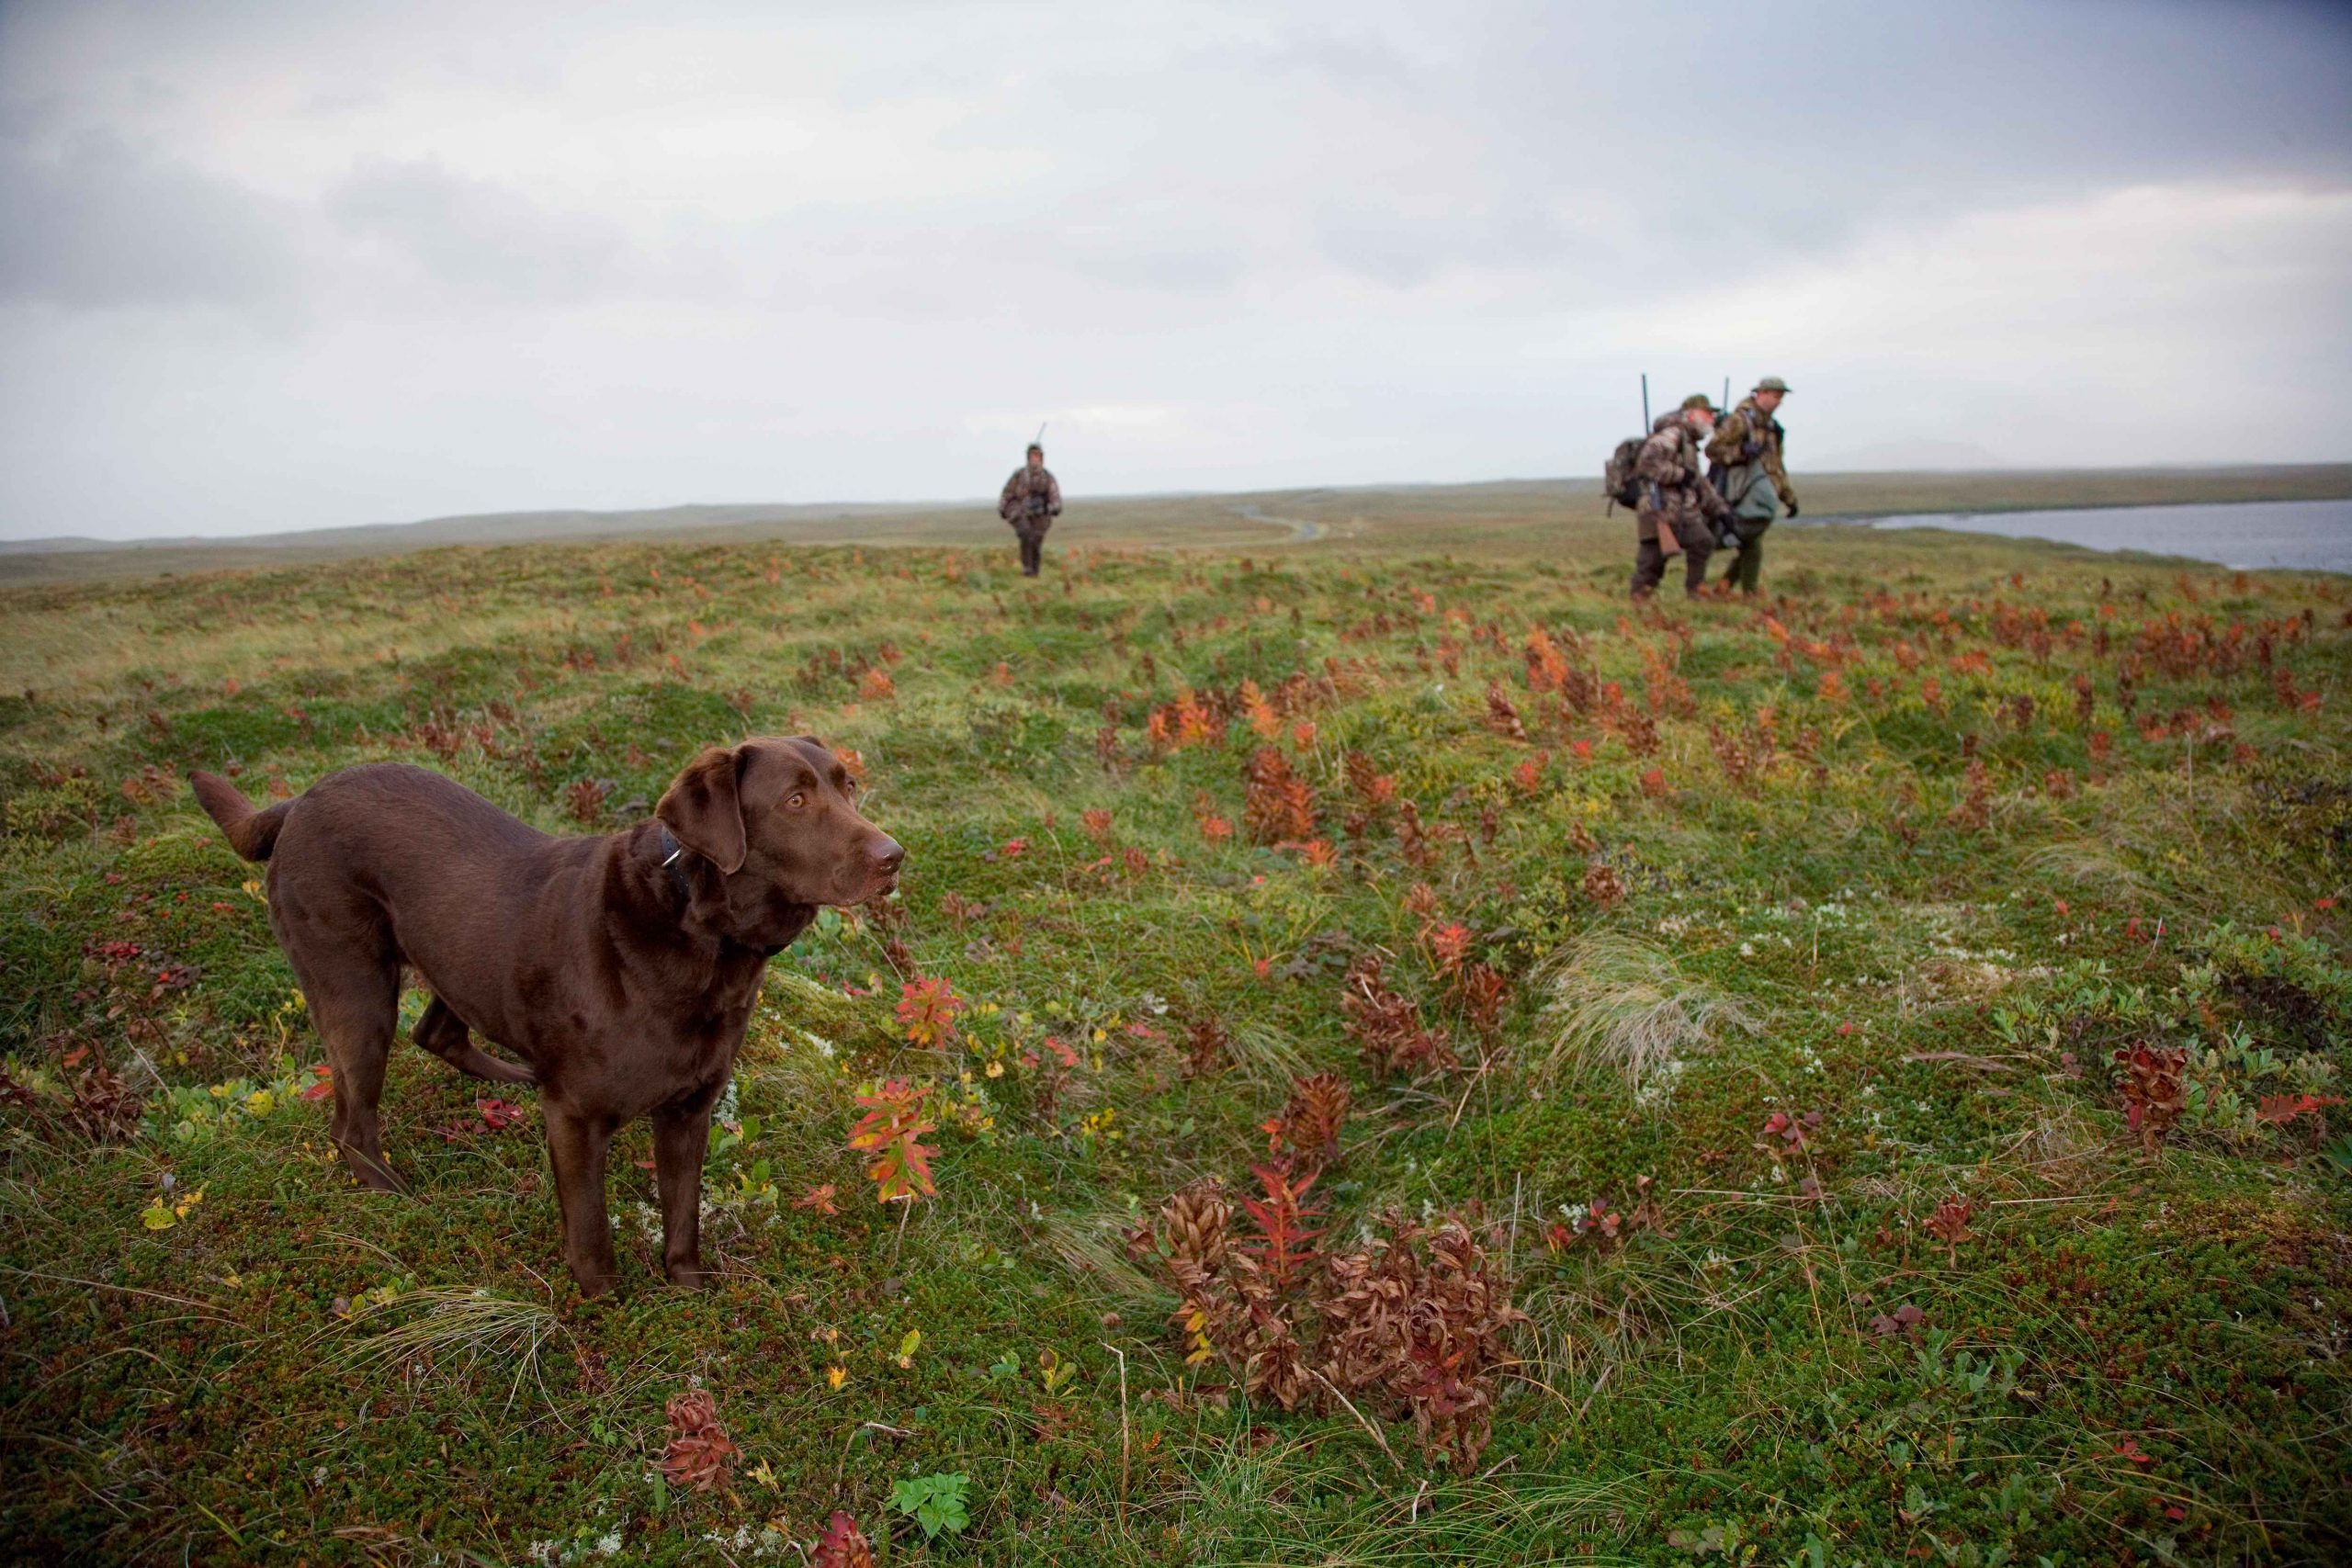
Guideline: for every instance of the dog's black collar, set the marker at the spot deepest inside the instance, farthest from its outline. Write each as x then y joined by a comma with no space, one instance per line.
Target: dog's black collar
671,852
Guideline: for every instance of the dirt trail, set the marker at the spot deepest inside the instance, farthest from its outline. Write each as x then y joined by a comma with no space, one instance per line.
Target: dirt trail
1301,529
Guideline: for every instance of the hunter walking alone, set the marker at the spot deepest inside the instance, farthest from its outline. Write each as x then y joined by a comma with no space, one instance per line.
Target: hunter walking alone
1031,502
1678,508
1747,468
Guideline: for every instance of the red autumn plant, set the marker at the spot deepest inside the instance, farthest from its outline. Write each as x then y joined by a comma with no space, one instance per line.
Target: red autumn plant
1207,1047
1904,1322
1413,841
1374,792
1285,1245
890,1131
1416,1326
1261,712
701,1455
1502,717
1308,1124
1948,1225
1480,992
927,1009
1547,667
1975,811
1190,720
844,1545
1277,805
1421,1324
1792,1130
1606,1227
1745,757
2283,1110
584,798
2153,1095
1387,1028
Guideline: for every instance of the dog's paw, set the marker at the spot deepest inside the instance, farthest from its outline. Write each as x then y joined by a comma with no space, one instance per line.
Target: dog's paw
593,1284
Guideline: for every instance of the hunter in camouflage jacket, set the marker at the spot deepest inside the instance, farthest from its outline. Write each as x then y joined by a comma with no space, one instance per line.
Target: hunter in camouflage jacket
1748,444
1032,499
1672,486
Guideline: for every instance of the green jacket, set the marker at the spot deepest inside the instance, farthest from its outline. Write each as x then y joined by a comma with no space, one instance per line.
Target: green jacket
1749,442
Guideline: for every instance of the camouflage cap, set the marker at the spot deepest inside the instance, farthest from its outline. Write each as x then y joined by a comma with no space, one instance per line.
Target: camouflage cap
1771,384
1698,401
1037,449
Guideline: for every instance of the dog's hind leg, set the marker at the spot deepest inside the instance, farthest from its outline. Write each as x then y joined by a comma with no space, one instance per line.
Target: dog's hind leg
351,981
443,1033
350,984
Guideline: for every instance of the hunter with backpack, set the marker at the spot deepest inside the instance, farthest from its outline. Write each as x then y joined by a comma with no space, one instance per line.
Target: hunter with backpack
1676,509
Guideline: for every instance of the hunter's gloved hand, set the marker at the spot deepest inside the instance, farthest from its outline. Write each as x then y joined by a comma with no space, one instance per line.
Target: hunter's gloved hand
1793,509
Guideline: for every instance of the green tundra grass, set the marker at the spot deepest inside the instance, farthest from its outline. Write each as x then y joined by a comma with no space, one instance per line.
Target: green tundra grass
1829,916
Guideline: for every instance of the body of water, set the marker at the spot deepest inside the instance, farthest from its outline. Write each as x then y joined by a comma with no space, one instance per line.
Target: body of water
2302,535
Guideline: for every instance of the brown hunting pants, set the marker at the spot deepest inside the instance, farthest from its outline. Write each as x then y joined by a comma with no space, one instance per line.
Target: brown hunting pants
1649,563
1033,543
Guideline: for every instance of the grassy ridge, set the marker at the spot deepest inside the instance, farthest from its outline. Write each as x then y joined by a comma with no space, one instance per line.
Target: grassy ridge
1827,919
1511,515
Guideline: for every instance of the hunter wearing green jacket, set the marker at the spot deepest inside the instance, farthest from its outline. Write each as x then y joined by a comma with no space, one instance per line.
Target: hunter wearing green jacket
1750,473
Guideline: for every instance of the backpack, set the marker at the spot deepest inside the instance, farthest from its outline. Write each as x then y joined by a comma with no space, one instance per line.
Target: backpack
1618,480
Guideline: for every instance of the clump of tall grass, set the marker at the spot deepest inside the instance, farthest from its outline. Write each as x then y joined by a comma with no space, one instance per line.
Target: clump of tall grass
453,1331
1620,1006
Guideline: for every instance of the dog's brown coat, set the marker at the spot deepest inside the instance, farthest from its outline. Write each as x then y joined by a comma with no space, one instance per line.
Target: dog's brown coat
623,983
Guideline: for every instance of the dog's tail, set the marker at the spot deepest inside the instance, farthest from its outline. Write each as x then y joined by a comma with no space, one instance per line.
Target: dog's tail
251,833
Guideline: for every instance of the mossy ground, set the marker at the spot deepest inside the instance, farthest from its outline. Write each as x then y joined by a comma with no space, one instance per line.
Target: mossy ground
1947,888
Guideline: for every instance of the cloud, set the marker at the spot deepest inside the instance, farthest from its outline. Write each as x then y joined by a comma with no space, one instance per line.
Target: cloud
477,236
98,224
2051,332
389,261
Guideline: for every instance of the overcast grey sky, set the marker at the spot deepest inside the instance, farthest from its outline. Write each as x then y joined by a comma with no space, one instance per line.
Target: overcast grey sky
284,266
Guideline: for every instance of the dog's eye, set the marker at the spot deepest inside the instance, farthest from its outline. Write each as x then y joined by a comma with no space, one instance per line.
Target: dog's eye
796,801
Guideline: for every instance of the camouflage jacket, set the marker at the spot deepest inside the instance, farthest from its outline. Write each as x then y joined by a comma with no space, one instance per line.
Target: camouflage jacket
1749,442
1672,486
1031,495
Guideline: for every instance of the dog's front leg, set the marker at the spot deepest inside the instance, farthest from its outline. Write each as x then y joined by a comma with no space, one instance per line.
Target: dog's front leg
576,1147
681,1139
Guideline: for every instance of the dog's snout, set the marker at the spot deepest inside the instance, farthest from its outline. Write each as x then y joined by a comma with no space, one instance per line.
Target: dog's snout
889,855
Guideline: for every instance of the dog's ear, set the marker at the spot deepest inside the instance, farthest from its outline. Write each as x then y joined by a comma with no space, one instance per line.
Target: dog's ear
704,808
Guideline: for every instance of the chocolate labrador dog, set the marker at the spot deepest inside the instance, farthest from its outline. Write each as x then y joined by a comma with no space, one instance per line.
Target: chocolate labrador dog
621,969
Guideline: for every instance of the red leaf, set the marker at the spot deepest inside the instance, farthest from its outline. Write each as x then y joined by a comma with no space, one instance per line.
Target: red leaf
845,1545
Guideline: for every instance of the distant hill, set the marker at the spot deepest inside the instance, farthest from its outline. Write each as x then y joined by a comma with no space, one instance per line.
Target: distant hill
1922,456
1512,515
486,528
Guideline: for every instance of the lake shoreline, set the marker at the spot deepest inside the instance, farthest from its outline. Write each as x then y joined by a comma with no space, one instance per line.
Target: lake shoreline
2256,535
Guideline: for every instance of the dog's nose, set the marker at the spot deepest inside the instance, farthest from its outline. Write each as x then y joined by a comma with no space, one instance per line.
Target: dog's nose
889,855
